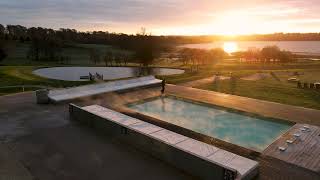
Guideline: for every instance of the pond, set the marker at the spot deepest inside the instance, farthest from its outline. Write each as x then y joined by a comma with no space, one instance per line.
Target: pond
109,73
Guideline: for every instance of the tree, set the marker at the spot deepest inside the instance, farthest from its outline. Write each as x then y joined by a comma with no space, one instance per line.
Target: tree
269,53
145,51
2,31
3,53
108,58
285,56
45,45
215,55
94,56
34,50
185,55
252,55
16,31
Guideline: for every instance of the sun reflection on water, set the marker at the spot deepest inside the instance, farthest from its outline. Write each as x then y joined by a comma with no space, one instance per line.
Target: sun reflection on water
230,47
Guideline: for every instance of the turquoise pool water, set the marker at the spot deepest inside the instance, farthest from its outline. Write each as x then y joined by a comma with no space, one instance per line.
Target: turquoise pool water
246,131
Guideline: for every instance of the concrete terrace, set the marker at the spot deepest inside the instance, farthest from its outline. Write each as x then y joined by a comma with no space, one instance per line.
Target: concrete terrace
40,141
47,144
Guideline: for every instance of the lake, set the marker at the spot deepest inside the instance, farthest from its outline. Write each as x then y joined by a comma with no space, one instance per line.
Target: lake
299,47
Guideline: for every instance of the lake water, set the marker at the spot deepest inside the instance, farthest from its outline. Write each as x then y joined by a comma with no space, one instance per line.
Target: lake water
301,47
246,131
109,73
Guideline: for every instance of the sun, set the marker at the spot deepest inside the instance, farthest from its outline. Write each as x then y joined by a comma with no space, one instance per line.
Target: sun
230,47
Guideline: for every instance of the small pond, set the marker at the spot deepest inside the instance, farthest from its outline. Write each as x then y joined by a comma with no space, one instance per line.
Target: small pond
109,73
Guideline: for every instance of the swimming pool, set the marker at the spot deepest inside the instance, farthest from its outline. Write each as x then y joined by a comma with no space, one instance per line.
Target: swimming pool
233,127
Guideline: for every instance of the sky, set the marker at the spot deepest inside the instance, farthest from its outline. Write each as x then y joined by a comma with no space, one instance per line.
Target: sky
167,17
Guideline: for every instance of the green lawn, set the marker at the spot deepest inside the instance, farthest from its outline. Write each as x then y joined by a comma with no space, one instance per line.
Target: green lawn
269,90
22,75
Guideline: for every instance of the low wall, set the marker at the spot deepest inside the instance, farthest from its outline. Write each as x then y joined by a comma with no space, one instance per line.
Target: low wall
188,162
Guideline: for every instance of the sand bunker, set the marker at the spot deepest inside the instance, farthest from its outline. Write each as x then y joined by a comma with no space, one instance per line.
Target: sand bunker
221,77
256,77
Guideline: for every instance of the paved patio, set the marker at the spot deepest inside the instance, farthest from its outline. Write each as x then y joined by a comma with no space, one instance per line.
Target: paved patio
39,141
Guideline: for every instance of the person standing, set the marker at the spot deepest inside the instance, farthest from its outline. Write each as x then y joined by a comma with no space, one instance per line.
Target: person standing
163,84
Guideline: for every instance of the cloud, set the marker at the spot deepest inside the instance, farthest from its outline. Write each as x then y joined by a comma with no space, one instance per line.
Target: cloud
157,15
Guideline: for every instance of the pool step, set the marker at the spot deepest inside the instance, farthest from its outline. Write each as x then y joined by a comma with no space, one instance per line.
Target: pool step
194,157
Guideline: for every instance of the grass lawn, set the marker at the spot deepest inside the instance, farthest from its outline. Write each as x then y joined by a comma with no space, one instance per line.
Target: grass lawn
270,90
22,75
240,69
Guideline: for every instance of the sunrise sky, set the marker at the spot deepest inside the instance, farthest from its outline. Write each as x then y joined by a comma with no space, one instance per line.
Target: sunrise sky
167,17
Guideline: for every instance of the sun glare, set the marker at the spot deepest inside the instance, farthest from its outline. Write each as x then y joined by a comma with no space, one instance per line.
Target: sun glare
230,47
235,23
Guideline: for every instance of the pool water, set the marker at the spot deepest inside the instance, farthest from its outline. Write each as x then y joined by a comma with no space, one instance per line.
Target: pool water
246,131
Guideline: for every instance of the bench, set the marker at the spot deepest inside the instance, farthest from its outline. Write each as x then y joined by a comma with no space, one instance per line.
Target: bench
197,158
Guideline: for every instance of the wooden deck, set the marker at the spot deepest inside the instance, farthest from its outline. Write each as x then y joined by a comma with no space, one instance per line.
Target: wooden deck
303,152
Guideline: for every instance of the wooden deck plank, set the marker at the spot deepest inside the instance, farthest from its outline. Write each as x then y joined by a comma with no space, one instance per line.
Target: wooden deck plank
303,152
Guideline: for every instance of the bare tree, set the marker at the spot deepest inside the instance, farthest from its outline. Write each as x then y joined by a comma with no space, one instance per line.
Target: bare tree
94,56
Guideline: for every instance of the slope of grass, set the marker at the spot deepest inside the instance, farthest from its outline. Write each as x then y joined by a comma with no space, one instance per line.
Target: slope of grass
22,75
269,90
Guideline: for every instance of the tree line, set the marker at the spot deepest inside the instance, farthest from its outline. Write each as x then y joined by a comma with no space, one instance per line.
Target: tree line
47,44
125,41
268,54
195,57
